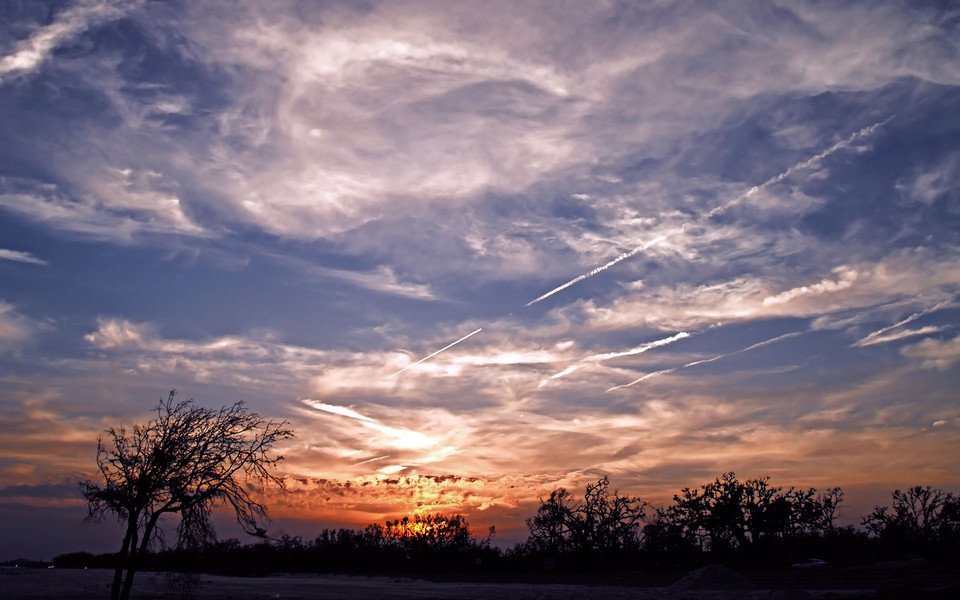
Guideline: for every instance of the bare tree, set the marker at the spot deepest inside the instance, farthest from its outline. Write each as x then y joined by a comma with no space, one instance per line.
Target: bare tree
728,515
550,527
599,524
187,460
923,520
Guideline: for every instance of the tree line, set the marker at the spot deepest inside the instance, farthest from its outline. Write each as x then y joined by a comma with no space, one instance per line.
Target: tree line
188,460
727,520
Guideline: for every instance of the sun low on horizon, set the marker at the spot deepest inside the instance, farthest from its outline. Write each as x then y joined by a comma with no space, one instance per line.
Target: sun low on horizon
475,252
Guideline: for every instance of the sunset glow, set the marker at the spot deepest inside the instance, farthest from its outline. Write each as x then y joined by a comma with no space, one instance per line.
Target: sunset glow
473,252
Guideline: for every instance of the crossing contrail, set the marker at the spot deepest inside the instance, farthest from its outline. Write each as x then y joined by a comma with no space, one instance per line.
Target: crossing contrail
753,190
429,356
599,269
610,355
802,165
649,375
873,338
707,360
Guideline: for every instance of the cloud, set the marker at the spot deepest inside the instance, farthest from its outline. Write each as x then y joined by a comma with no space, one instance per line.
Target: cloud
901,274
15,328
118,333
382,279
33,51
114,208
847,277
18,256
413,447
250,361
363,163
934,183
934,354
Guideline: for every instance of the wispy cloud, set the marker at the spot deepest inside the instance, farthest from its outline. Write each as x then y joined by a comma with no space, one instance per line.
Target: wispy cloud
935,354
901,273
18,256
113,209
382,279
393,176
14,327
30,53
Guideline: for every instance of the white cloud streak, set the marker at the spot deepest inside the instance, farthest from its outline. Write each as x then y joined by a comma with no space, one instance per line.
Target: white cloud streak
14,327
24,257
31,53
935,354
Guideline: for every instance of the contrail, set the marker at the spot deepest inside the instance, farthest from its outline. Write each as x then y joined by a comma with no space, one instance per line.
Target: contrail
872,338
428,357
641,348
707,360
802,165
757,188
770,341
609,355
599,269
648,376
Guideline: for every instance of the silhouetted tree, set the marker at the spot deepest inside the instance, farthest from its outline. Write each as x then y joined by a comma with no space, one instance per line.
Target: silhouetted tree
550,528
665,540
599,524
922,519
436,540
186,460
728,515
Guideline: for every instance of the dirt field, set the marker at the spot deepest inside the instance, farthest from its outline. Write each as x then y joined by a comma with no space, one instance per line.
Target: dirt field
67,584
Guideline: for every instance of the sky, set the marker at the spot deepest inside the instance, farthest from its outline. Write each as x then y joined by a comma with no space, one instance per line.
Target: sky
474,251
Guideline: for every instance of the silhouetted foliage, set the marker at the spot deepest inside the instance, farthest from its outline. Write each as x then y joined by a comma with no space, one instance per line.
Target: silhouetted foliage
922,521
599,526
420,543
430,536
747,522
728,517
186,460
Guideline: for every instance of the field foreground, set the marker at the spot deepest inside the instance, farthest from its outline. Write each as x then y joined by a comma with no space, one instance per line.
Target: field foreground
714,583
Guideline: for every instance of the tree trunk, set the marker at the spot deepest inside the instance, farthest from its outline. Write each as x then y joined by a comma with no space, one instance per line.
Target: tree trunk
122,560
133,556
136,554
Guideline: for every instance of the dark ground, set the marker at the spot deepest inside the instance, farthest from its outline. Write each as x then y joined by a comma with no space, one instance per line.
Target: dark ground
885,581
